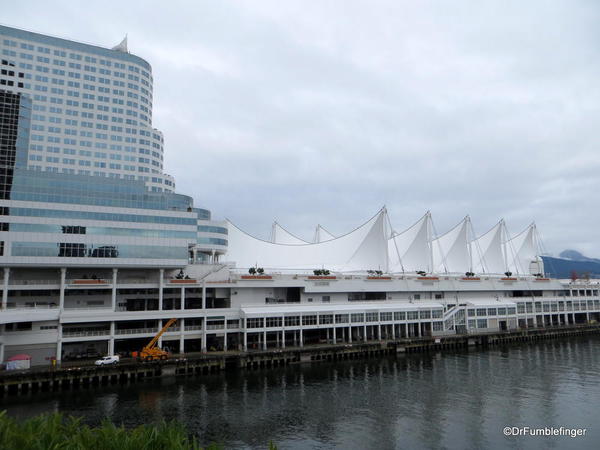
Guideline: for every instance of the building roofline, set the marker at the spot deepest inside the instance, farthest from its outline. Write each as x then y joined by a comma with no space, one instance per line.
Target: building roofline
73,45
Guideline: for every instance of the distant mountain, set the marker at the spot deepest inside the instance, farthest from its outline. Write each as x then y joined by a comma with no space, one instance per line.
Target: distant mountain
574,255
570,261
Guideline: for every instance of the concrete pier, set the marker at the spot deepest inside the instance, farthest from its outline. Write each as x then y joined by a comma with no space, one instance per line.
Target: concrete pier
81,377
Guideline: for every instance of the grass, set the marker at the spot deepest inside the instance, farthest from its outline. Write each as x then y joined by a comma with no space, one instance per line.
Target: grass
57,432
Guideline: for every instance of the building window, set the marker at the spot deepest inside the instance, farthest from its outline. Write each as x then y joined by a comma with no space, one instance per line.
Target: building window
309,320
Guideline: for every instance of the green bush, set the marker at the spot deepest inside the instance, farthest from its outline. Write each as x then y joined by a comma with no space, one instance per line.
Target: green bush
54,432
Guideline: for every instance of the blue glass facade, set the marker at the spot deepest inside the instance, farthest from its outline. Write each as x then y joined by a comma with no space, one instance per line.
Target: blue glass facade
49,187
77,250
101,231
90,215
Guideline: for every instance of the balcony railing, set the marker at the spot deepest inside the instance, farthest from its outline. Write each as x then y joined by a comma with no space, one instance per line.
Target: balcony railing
67,333
193,328
29,306
136,331
23,282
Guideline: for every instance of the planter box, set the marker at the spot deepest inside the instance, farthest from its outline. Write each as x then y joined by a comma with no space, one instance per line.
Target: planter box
508,279
321,277
542,279
184,281
85,281
428,278
470,279
256,277
379,278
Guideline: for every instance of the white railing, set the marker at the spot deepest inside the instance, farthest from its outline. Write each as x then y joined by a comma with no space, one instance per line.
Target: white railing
31,306
215,326
193,328
22,282
87,307
136,331
85,333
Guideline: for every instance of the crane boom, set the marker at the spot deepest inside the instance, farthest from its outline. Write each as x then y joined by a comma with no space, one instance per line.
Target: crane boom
155,339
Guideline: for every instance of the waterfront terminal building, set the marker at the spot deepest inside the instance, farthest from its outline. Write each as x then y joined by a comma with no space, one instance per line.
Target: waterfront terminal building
98,251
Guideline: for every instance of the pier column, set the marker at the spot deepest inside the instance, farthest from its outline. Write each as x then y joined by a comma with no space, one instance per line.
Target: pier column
182,298
5,289
111,339
114,290
181,336
204,326
61,301
161,282
160,325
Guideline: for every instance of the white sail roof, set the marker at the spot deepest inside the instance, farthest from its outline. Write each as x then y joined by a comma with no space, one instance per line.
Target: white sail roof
280,235
488,251
363,249
322,235
409,250
522,249
451,251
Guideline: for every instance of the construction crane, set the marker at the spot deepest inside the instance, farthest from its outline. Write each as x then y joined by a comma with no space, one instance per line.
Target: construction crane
151,352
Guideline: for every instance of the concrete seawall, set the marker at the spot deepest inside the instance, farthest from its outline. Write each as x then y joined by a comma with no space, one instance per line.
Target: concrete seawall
67,378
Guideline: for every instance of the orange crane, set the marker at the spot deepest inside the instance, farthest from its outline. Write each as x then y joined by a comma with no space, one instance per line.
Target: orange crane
151,352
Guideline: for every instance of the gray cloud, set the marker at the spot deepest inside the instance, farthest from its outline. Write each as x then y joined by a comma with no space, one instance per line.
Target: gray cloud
321,112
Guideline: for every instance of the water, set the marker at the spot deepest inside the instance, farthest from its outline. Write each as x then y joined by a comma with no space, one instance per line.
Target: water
458,400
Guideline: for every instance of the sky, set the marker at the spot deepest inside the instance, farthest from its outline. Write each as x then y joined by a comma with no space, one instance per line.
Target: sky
321,112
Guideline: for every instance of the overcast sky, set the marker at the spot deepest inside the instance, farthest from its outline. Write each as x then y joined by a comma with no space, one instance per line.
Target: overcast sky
323,111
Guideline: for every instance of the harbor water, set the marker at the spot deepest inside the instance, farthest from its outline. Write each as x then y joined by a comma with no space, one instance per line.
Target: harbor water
453,400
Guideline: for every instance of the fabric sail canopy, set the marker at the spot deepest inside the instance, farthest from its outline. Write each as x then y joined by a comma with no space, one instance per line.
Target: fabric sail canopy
322,235
488,251
522,249
409,250
280,235
365,248
451,252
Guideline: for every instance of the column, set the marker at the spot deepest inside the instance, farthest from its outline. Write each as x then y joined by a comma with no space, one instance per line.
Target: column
282,331
365,333
225,341
114,290
2,351
245,340
181,336
204,325
379,331
182,298
334,336
301,338
161,282
350,333
264,335
160,325
59,344
5,291
111,339
61,301
203,294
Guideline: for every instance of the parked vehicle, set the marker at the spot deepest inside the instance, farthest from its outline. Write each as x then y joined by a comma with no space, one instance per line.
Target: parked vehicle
108,360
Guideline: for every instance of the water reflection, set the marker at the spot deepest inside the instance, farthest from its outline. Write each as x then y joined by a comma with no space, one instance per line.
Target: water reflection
452,400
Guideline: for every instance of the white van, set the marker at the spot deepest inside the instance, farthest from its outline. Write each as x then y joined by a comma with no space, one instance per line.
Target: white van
108,360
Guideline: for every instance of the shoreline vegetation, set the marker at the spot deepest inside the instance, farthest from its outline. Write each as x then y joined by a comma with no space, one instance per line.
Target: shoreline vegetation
57,431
